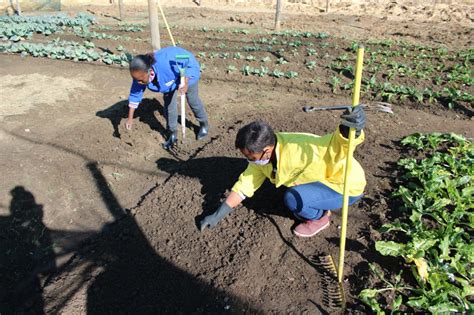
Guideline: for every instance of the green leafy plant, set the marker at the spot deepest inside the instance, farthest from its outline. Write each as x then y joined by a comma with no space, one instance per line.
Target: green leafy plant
252,48
241,31
57,49
15,27
310,65
131,28
277,73
231,68
282,61
311,52
250,58
291,74
334,83
437,221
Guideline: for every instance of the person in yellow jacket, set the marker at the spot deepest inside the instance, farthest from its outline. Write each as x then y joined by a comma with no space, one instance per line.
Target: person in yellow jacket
312,167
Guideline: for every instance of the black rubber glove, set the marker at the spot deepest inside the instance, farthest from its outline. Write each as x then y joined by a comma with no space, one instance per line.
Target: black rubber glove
355,118
211,220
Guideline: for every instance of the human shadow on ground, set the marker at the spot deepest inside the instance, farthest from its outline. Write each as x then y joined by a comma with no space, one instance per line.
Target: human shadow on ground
26,255
124,273
137,280
146,113
118,113
118,267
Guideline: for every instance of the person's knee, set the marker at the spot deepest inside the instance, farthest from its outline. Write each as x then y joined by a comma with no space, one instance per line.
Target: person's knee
292,200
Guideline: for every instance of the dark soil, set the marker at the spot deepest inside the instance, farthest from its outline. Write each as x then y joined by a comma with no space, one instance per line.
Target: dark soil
155,259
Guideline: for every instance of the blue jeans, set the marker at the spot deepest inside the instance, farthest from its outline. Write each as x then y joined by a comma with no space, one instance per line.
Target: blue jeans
309,201
171,106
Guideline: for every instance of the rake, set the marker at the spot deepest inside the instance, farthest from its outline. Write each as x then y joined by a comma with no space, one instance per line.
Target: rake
335,294
375,106
333,290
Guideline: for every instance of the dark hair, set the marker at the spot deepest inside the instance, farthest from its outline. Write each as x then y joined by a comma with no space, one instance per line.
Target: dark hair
255,137
142,62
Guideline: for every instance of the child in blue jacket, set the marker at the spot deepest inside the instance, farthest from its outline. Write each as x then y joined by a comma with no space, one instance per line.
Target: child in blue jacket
159,72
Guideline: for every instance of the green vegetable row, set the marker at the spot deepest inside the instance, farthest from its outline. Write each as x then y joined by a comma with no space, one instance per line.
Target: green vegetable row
15,28
437,223
67,50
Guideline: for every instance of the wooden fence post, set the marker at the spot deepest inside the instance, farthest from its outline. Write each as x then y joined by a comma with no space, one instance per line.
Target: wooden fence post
154,26
278,15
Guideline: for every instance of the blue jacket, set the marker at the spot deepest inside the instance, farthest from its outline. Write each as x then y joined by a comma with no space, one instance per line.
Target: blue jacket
167,77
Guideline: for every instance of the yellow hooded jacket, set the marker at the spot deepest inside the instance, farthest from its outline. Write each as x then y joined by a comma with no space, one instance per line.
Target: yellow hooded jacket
305,158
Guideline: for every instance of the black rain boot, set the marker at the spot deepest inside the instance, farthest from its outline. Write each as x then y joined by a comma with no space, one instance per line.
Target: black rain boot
203,130
173,138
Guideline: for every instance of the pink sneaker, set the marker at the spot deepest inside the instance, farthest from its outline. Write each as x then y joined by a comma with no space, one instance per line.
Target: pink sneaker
311,227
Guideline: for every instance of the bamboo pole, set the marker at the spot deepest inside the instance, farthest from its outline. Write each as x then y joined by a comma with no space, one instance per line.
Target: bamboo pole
154,27
166,23
345,203
278,15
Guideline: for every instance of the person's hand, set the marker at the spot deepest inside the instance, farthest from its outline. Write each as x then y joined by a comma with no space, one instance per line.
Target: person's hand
355,118
129,124
211,220
184,89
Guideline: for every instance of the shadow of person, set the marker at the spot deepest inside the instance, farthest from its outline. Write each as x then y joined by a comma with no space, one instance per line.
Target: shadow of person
146,113
118,112
217,175
26,255
135,279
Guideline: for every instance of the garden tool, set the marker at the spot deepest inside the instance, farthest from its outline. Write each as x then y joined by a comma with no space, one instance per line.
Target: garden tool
336,293
332,289
166,23
350,151
184,59
375,106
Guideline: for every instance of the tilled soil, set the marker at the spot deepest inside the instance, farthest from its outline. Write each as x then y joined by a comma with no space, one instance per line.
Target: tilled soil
154,259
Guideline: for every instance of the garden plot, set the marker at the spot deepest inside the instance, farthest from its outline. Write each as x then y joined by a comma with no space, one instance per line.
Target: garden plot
153,259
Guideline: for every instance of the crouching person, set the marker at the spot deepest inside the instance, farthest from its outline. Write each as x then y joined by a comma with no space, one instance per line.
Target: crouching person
312,167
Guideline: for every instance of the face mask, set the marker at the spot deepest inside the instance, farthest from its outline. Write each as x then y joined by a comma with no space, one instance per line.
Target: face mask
260,162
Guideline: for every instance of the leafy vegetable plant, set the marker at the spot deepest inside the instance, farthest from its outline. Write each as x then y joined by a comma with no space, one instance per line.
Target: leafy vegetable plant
437,223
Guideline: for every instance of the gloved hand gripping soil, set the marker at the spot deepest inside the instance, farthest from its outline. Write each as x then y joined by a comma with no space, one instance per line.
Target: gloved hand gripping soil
211,220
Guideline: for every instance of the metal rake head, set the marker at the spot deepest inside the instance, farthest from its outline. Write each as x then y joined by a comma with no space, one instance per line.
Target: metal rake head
381,107
332,289
374,106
